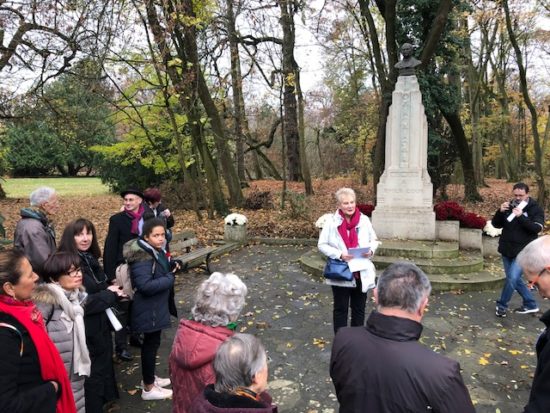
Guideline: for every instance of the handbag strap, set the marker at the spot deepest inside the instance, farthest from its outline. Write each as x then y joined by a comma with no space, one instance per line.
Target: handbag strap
21,347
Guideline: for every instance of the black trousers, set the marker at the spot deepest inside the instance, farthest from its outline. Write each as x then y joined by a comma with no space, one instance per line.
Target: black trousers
123,315
344,298
151,344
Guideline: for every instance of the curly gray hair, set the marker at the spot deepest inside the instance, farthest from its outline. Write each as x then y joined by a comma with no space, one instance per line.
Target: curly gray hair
219,300
41,195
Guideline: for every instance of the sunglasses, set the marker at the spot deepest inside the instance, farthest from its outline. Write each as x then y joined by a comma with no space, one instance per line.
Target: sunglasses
533,283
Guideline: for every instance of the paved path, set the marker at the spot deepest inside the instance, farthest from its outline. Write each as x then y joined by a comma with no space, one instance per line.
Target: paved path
290,311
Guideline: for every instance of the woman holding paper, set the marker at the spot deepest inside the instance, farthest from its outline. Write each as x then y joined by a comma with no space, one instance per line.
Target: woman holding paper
349,228
79,237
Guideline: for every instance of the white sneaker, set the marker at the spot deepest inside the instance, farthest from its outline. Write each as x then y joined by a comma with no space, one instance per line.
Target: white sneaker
160,382
156,393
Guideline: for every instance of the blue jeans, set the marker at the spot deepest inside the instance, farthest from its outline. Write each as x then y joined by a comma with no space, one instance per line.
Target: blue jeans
514,282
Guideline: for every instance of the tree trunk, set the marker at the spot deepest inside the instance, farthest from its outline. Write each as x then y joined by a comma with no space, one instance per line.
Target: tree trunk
302,129
472,92
186,86
290,114
237,86
470,187
539,169
189,43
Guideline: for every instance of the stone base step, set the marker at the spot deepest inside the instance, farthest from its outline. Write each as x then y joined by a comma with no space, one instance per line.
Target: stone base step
492,277
467,261
418,249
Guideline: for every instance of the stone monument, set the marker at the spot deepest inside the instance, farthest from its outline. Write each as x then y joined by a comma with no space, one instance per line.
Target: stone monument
404,207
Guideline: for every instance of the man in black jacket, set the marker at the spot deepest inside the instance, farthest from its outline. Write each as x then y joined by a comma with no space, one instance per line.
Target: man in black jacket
123,226
382,367
521,220
534,259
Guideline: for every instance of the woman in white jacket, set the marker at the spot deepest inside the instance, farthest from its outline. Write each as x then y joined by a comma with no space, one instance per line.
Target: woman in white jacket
349,228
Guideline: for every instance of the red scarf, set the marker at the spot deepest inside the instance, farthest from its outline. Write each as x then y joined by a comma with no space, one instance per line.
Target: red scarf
51,365
136,217
347,229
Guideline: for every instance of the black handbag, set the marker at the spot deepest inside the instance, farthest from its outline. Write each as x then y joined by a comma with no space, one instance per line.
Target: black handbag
337,270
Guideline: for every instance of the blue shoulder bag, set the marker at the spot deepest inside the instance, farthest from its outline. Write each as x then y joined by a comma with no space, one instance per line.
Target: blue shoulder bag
337,270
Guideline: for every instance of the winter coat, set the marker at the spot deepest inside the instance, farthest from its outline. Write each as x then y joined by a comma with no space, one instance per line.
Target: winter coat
34,234
118,234
23,389
157,213
382,368
332,245
51,311
152,284
193,352
101,386
210,401
521,231
539,399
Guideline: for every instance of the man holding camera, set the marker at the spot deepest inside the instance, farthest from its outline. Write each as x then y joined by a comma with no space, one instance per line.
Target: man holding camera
521,220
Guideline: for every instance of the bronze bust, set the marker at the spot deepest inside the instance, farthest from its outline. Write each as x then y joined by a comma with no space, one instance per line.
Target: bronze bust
409,62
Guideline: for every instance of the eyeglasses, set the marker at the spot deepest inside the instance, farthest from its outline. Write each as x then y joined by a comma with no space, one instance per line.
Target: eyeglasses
75,272
534,282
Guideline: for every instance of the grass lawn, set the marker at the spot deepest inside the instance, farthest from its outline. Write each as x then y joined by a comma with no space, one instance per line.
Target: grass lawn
22,187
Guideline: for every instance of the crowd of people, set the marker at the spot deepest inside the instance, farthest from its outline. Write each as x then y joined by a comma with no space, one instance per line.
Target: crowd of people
58,305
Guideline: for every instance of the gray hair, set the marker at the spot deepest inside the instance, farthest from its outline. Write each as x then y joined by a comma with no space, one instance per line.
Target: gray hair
344,191
403,285
41,195
536,255
237,361
219,300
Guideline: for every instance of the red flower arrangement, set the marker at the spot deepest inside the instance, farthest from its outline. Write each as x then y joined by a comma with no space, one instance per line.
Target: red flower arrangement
472,220
366,209
450,210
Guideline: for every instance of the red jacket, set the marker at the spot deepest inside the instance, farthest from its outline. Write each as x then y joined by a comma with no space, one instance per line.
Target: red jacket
193,352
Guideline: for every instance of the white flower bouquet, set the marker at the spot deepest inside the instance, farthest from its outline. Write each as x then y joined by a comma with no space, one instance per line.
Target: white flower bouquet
235,219
488,229
320,223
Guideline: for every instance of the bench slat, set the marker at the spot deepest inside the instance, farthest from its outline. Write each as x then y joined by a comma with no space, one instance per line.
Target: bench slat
196,254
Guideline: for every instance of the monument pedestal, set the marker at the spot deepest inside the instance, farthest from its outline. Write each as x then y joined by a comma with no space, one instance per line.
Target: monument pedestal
404,194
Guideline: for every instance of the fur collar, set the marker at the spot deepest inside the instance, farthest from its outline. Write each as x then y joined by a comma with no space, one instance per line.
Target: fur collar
134,252
42,294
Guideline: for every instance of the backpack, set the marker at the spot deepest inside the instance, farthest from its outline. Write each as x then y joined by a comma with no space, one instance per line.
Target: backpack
124,278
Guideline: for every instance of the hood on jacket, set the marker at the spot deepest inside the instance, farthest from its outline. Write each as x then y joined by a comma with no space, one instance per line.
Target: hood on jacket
196,344
133,251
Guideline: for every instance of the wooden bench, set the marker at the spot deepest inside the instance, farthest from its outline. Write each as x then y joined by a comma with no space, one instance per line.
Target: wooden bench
182,242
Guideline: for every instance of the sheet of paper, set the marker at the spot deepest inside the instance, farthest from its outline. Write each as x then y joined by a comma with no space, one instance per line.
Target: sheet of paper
358,252
358,264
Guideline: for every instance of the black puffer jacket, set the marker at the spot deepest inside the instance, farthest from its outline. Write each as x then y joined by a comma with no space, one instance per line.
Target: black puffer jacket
152,284
521,231
23,389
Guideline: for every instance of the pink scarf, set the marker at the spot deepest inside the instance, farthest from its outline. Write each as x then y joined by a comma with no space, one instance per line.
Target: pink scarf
347,230
136,217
